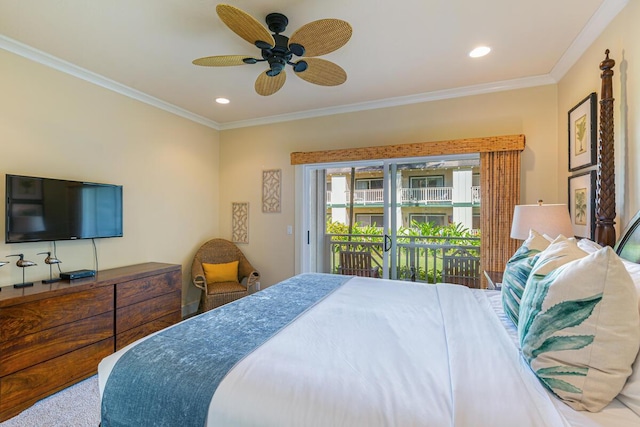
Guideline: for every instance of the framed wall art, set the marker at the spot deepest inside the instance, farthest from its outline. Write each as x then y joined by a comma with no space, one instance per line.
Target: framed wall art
240,222
582,133
271,190
582,201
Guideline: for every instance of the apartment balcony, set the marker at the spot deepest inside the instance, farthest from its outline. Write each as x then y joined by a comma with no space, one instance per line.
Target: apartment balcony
408,197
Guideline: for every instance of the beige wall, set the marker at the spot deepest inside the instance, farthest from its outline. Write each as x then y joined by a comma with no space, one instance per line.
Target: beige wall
246,152
621,38
55,125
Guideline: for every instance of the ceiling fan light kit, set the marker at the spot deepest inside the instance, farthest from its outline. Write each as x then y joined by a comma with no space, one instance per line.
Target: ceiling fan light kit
314,39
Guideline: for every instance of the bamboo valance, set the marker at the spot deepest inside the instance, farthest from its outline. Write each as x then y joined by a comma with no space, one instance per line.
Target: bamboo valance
417,149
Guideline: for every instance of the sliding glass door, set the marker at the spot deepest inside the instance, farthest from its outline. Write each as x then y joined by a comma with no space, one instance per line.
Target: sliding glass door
402,214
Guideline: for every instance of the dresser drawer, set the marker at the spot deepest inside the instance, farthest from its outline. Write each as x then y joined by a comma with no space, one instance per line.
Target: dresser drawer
127,337
28,350
137,314
23,388
138,290
28,318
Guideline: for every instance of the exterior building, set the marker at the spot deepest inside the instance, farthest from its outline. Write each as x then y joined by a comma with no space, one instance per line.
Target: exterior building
441,193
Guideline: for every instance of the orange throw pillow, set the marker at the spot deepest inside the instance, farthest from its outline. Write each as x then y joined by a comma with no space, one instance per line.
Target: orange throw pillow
226,272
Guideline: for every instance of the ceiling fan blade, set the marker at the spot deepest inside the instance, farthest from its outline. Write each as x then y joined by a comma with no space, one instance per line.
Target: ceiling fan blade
322,36
267,85
322,72
220,61
244,25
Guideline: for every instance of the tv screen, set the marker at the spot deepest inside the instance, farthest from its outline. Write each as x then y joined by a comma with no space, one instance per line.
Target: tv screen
45,209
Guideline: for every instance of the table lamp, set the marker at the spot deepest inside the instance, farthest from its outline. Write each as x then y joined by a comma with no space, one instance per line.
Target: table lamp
551,220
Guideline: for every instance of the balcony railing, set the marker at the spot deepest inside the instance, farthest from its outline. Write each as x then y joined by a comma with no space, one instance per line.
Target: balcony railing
419,258
408,196
426,195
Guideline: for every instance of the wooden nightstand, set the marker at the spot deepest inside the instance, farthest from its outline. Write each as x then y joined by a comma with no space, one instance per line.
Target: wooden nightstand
494,279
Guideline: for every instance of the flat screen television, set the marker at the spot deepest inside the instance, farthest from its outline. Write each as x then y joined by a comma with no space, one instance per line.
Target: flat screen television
46,209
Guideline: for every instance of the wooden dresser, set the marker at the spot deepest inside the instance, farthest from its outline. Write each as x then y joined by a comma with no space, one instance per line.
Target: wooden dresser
54,335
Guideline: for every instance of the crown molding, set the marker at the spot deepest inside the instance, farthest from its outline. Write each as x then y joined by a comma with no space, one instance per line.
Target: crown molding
51,61
398,101
608,10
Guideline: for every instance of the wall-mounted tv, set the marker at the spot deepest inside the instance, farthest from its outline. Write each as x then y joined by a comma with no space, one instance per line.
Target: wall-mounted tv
46,209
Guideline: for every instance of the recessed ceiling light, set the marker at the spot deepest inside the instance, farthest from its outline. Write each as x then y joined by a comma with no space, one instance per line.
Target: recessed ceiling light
479,51
222,100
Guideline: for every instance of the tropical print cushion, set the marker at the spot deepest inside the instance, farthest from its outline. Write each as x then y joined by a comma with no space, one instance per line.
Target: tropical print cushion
579,326
517,271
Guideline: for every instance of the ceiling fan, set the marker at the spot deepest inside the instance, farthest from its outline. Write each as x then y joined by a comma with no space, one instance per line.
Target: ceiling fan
314,39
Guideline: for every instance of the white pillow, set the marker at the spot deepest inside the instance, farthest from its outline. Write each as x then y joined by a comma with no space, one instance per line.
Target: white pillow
634,271
630,394
516,273
589,246
579,325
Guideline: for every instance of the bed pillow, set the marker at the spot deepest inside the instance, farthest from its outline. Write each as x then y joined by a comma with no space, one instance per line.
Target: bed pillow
517,271
630,394
579,327
225,272
589,246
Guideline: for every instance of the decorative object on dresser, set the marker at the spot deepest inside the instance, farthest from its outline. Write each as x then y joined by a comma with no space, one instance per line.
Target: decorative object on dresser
23,263
50,261
210,272
54,336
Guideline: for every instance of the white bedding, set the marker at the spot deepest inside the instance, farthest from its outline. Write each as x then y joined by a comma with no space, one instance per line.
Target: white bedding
379,353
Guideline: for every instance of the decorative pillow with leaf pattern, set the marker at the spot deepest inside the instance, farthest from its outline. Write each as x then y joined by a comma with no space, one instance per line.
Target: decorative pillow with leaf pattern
517,271
579,326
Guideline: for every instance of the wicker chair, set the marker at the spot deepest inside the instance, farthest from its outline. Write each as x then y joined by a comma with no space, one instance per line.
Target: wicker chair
218,251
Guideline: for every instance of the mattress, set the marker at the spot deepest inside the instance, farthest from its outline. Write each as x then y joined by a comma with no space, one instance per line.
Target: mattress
311,373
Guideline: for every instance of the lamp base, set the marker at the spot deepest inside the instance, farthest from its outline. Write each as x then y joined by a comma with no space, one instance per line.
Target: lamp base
23,285
51,280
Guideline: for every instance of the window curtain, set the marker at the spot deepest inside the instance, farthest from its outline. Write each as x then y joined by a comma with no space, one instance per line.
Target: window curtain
500,193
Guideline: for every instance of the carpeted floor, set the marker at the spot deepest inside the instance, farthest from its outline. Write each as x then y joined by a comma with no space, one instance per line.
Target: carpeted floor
76,406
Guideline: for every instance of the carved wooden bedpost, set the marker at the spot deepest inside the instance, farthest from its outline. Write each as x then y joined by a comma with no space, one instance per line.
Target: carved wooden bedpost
605,233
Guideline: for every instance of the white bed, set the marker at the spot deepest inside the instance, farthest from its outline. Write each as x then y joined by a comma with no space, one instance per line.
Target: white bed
384,353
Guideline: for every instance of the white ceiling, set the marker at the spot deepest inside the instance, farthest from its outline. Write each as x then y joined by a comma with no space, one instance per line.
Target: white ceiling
401,51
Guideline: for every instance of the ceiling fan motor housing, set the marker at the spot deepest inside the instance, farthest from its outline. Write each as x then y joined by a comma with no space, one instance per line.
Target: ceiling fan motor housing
277,22
278,56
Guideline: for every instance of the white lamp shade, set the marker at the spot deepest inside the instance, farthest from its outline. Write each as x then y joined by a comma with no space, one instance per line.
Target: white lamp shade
551,220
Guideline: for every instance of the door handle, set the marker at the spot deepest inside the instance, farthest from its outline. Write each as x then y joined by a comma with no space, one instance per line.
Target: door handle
387,239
